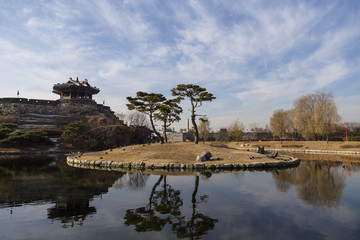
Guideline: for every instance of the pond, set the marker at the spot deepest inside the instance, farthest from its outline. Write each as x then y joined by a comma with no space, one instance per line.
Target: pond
42,197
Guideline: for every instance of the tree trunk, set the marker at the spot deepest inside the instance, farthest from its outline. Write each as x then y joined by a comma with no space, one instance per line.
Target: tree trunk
156,132
165,137
193,197
193,120
153,190
196,129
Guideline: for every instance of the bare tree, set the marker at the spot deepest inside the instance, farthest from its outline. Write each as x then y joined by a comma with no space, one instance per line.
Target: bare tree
352,129
137,119
325,114
134,118
255,129
204,128
302,115
315,115
235,130
280,123
121,116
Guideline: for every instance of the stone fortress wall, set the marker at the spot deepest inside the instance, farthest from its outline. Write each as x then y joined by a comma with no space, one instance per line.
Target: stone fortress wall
63,107
33,113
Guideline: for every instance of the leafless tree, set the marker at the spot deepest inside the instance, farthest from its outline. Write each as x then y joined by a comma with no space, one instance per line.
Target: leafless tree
134,118
121,116
236,130
255,130
352,129
315,114
302,115
204,128
280,123
325,114
138,119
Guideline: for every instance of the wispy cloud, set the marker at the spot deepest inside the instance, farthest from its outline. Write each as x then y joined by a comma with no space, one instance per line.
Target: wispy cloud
251,55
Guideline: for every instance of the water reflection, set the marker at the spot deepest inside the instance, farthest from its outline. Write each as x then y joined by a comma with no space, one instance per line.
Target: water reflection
110,205
43,179
164,208
317,183
132,180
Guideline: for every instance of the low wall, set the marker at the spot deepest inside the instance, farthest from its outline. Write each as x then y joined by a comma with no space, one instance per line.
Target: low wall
115,165
353,153
51,107
29,101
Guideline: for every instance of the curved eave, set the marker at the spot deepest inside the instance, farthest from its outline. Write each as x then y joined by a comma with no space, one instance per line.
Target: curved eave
57,89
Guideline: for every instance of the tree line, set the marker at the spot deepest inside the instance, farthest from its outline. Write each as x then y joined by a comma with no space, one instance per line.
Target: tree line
313,116
167,111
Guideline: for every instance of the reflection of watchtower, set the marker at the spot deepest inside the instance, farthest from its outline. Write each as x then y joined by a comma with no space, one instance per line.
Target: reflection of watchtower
75,89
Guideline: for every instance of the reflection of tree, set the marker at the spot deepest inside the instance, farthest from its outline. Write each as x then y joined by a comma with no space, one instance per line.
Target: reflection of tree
133,181
166,201
317,183
43,179
198,224
164,208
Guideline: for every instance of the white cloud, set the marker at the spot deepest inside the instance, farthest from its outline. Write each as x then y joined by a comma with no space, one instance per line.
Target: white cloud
251,56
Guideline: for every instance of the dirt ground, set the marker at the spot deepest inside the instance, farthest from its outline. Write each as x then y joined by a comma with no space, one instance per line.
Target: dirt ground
230,152
183,153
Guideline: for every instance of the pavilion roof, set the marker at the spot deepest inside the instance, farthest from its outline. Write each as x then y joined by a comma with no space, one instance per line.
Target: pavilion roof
75,85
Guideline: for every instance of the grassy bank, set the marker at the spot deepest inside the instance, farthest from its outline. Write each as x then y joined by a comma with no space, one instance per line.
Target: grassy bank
305,145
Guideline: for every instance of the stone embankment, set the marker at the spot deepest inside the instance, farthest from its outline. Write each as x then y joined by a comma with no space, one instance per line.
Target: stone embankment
288,162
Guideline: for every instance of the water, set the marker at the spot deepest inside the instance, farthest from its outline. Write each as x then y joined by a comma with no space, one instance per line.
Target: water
43,198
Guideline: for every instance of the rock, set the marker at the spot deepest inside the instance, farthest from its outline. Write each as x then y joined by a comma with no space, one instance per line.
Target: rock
272,154
199,166
261,150
205,156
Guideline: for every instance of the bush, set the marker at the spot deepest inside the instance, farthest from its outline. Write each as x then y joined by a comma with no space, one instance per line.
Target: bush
6,129
25,138
73,132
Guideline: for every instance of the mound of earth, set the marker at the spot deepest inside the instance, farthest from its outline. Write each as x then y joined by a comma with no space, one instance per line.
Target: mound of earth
182,153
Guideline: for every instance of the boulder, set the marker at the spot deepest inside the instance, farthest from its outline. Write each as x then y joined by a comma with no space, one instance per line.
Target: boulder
205,156
260,150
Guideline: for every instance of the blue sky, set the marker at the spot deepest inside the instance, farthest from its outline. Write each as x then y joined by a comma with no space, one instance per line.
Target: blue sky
254,56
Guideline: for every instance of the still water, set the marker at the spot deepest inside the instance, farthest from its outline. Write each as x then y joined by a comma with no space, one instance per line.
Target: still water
43,198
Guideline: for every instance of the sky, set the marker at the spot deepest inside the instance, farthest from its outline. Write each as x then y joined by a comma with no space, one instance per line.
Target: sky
254,56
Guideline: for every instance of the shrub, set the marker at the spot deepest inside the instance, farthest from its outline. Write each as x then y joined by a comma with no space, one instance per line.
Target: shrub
6,129
25,138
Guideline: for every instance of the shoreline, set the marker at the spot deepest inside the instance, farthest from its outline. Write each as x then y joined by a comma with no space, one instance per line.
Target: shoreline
34,152
306,151
345,153
281,163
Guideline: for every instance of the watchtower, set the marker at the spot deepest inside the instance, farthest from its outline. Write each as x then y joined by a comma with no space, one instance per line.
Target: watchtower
75,89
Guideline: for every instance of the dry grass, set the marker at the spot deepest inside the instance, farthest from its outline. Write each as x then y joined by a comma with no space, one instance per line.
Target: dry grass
327,157
183,153
313,145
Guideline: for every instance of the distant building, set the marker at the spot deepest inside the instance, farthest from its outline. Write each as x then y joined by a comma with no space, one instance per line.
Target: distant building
179,136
